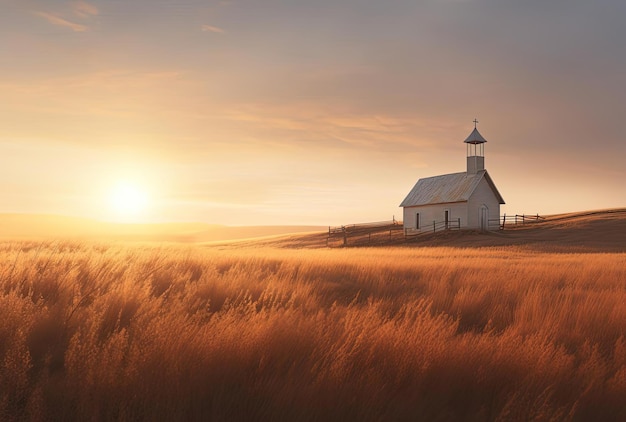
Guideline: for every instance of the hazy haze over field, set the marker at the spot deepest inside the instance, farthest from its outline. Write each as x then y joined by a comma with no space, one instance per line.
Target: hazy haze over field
299,112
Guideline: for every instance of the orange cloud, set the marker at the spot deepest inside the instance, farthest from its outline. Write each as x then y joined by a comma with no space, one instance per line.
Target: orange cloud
84,10
59,21
80,9
209,28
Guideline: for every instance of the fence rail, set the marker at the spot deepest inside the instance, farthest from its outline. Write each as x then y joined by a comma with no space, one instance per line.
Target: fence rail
520,219
359,226
434,227
364,233
386,231
492,224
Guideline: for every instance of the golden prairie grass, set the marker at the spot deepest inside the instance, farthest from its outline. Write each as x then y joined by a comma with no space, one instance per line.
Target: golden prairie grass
140,332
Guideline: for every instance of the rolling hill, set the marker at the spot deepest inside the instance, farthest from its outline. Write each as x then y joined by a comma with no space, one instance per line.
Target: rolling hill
588,231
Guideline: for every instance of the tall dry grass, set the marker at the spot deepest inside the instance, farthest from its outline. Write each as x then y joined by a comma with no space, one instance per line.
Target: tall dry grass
120,332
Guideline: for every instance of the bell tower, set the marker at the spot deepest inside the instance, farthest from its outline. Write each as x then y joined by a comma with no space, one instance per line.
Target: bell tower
475,151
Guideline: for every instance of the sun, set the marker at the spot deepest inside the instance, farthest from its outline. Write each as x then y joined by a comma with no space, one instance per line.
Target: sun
128,200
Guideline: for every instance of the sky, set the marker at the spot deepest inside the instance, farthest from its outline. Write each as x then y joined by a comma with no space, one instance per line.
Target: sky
250,112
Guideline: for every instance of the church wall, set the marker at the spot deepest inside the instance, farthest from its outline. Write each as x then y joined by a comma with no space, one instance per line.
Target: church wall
475,164
483,195
430,213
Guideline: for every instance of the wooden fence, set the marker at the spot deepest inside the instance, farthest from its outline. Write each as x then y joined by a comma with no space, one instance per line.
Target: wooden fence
382,232
519,219
434,227
493,224
364,233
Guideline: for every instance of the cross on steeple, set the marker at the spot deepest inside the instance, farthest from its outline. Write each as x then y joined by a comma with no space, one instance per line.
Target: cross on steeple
475,123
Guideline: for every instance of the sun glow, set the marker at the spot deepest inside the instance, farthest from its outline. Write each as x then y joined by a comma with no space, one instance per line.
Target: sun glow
128,200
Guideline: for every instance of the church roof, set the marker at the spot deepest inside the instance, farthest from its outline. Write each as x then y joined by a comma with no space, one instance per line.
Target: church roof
475,138
455,187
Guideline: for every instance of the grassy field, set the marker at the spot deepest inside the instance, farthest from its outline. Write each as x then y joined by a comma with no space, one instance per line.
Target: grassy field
119,331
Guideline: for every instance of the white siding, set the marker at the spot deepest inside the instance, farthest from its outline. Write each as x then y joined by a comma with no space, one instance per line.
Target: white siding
482,195
435,212
475,164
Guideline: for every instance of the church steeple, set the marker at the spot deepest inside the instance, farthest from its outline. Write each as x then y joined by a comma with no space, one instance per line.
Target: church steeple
475,151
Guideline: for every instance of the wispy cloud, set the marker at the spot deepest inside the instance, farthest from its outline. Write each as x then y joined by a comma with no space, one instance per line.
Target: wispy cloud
59,21
210,28
78,10
84,10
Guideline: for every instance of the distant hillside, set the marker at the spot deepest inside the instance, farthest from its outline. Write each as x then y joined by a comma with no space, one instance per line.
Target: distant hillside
29,226
587,231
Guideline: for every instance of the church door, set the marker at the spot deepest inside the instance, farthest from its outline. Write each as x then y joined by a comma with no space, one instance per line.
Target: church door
484,218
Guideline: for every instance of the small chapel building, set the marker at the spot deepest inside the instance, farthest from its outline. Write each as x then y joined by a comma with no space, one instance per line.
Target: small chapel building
468,200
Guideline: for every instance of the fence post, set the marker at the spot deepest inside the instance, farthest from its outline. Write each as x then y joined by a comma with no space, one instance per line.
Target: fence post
503,221
434,227
459,225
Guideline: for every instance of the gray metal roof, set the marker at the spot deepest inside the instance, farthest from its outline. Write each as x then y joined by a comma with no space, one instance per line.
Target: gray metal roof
455,187
475,138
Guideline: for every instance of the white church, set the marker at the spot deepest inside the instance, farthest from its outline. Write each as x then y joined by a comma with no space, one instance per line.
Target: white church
467,200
